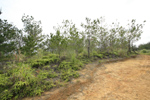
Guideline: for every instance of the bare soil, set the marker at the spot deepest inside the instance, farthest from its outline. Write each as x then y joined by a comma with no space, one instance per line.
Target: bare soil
122,80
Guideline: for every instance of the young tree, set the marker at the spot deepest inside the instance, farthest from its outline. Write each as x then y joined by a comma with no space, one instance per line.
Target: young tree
134,33
113,36
8,36
90,32
33,35
122,38
57,43
102,34
75,38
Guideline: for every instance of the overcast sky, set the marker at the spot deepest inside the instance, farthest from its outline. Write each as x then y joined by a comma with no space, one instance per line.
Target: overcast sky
51,12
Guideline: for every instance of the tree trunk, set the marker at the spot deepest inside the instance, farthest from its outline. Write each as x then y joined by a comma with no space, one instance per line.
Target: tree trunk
88,48
129,48
133,49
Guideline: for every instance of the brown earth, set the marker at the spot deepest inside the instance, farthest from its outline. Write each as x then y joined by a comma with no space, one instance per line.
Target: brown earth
123,80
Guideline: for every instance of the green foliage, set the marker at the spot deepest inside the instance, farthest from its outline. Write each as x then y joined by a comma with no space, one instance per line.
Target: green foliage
44,74
99,61
64,65
144,51
83,57
53,56
33,37
68,69
73,65
68,74
8,38
122,53
83,54
91,29
25,81
134,33
57,43
21,81
115,53
66,52
144,46
49,59
6,95
95,54
39,62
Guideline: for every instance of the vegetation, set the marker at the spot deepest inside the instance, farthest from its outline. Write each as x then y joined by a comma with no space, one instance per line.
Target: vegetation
32,63
8,38
144,51
144,46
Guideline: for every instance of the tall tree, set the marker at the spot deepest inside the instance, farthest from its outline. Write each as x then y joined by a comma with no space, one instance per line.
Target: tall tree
8,36
90,32
122,37
113,36
33,35
102,33
75,38
134,33
58,43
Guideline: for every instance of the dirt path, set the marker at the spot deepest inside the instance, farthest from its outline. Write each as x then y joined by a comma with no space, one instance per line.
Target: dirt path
126,80
123,80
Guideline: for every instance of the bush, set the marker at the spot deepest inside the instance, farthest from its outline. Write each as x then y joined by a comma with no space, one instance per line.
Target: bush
83,54
76,64
64,65
49,59
95,54
122,53
68,74
68,69
70,65
115,53
144,51
21,81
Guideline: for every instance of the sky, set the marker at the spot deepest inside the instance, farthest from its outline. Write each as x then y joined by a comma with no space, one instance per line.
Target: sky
53,12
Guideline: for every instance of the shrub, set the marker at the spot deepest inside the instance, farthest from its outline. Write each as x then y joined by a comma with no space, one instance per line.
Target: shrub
144,51
21,81
98,55
122,52
68,74
115,53
64,65
49,59
68,69
99,61
83,54
75,63
39,62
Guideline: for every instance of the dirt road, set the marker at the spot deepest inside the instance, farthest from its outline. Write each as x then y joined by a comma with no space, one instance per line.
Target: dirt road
123,80
126,80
